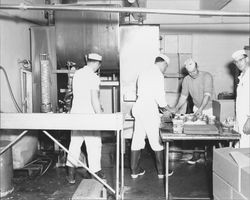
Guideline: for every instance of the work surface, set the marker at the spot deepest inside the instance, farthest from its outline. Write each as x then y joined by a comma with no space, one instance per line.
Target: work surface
167,135
166,132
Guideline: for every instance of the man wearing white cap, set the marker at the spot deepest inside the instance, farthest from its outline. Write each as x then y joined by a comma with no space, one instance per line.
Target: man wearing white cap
199,85
150,96
241,60
86,100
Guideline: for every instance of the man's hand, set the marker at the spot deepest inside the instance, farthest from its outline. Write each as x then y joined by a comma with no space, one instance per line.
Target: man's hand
173,110
198,113
246,128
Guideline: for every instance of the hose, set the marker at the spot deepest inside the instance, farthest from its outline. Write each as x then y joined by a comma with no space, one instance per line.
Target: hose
10,90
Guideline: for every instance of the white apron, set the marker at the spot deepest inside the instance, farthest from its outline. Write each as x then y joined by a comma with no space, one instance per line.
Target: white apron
243,107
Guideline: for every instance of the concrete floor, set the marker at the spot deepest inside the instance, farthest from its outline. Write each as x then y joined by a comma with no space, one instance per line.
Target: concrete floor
192,181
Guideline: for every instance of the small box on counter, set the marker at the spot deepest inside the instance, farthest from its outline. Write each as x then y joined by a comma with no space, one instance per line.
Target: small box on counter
233,167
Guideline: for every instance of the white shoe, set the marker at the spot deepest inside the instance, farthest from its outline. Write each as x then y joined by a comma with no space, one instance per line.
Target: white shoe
140,173
161,176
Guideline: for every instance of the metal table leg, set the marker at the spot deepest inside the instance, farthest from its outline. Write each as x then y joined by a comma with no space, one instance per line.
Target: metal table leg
166,168
117,164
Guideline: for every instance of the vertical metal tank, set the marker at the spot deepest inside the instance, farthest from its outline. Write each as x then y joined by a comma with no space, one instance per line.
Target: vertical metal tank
6,169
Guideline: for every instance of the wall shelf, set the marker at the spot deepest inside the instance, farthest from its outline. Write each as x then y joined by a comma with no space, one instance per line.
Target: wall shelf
173,75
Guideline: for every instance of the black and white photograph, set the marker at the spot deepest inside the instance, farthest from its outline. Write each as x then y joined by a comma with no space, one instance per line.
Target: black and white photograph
124,99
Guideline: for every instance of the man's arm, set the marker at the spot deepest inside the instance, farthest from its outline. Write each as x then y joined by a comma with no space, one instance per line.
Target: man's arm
246,128
181,101
184,94
204,103
208,91
95,101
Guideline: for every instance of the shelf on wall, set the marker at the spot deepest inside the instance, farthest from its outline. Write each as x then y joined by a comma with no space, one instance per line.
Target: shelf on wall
63,71
173,75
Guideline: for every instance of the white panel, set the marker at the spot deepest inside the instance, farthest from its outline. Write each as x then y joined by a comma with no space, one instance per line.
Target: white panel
139,45
171,43
174,63
60,121
171,84
185,43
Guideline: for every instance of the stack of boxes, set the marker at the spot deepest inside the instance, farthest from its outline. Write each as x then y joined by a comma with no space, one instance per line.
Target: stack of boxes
231,174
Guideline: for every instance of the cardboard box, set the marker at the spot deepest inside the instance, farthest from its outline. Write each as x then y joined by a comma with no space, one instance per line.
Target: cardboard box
245,182
238,196
228,163
223,109
216,198
221,189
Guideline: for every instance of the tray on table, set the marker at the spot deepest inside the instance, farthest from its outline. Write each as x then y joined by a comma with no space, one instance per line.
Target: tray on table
201,129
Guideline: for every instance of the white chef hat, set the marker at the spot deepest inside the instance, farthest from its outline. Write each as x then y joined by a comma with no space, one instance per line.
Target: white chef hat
95,56
190,64
237,55
164,57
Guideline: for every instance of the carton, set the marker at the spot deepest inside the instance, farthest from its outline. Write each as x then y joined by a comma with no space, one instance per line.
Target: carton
238,196
221,189
228,163
245,182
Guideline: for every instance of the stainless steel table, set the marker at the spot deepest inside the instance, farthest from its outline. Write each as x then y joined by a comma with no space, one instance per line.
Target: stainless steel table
167,136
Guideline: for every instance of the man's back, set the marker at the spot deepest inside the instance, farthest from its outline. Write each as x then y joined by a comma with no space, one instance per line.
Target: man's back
84,81
150,87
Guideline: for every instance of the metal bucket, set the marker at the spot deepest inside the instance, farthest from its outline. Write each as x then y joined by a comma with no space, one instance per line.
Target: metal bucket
6,169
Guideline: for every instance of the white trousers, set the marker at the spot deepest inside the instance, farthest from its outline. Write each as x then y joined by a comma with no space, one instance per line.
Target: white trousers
147,123
93,145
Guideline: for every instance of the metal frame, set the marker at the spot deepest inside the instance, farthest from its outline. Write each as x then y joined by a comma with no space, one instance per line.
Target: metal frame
41,121
168,137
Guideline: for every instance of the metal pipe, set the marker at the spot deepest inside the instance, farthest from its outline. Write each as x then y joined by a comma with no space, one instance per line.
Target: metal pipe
117,163
81,163
123,150
125,10
13,142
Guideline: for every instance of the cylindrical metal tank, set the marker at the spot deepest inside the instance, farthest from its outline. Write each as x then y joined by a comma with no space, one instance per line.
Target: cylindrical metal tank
6,170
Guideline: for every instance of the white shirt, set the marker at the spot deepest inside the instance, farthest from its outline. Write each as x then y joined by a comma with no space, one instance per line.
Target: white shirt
150,87
243,95
84,81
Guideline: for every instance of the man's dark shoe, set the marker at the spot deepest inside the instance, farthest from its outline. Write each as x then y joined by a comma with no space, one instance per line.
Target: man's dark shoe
137,173
71,175
101,174
192,161
170,173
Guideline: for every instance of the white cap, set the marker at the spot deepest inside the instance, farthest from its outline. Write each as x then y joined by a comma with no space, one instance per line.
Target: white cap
165,58
238,54
95,56
190,64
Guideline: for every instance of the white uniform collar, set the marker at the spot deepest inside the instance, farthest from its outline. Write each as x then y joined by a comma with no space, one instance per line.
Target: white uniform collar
241,76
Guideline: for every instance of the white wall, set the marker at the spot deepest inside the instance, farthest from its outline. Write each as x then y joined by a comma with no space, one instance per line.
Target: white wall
15,45
214,38
213,53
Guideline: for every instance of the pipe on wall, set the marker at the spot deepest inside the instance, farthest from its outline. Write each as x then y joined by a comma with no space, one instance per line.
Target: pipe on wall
124,10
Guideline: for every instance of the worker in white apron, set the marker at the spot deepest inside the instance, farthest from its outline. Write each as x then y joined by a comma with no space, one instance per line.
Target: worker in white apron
199,85
243,98
86,101
150,96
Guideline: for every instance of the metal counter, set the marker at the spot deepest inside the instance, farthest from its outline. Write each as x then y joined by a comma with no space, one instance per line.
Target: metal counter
167,135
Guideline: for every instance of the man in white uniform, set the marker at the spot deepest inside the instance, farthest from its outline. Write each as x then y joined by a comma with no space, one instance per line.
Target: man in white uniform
243,98
150,96
86,100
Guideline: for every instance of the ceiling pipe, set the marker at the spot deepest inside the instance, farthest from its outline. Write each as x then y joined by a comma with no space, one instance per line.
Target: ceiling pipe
124,10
